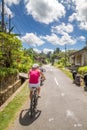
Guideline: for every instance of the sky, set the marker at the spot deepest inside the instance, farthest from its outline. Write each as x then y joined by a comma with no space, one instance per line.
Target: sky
45,25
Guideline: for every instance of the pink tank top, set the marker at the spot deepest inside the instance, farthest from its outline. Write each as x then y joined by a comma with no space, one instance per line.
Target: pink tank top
34,75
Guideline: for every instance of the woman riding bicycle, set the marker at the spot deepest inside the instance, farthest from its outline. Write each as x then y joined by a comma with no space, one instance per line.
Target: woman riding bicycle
34,78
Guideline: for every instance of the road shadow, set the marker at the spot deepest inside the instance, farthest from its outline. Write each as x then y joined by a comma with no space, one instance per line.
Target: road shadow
25,118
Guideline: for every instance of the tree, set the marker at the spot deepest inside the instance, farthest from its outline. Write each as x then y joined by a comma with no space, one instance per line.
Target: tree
10,47
57,50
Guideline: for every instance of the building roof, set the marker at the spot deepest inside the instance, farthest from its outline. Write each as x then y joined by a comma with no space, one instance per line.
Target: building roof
79,51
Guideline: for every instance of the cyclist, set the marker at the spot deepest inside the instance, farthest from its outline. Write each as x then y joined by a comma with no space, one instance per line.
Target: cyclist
41,79
34,78
74,73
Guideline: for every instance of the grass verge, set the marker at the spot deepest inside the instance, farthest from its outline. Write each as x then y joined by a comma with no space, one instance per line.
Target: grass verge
66,71
8,114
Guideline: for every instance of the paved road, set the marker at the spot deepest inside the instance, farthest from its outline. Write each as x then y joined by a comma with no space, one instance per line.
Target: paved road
62,106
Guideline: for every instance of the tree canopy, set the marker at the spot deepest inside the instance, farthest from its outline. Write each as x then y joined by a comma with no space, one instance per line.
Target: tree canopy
10,47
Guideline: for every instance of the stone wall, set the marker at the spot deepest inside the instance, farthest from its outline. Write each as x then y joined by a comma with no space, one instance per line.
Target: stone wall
7,92
8,85
7,81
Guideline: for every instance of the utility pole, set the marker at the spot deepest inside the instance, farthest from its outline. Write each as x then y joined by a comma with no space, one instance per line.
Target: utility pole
2,22
65,55
9,23
86,42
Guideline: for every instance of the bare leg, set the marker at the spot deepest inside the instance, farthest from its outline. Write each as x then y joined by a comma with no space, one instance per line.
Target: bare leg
30,94
39,91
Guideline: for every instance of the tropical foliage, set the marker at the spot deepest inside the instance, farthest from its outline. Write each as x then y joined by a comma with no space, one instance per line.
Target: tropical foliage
12,56
10,47
82,70
60,58
7,71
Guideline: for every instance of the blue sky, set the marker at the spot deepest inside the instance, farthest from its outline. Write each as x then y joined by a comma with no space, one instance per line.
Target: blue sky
45,25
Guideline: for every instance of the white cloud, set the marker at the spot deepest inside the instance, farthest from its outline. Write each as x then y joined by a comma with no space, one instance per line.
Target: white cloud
83,25
64,39
45,11
32,39
10,2
52,39
67,39
36,50
81,38
47,50
73,17
8,11
70,4
61,29
81,14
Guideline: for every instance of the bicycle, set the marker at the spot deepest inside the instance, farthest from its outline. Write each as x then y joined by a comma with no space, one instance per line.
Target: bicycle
34,101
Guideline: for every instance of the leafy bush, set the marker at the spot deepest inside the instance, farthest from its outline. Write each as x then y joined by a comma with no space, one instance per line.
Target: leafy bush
7,71
59,65
11,49
24,64
24,67
82,70
63,62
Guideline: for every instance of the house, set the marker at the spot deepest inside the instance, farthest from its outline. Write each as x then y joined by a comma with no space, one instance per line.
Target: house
79,58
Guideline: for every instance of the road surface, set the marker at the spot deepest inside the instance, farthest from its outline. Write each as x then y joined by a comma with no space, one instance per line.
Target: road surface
62,106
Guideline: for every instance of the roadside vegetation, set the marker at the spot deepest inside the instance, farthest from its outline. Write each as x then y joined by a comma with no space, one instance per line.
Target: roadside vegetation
61,60
82,70
65,70
9,113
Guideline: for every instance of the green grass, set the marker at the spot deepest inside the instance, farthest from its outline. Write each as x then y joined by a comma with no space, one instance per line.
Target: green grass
10,111
68,73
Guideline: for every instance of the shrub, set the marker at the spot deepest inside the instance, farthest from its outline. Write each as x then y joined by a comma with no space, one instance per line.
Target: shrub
24,64
82,70
7,71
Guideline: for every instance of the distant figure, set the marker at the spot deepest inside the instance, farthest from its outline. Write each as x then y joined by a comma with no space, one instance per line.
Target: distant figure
85,79
74,75
41,79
